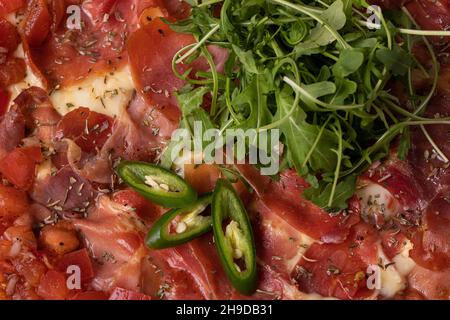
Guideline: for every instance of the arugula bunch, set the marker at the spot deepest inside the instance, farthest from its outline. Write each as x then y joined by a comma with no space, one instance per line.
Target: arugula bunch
314,70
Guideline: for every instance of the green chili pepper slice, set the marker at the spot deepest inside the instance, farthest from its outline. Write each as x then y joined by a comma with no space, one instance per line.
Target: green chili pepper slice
179,226
234,237
157,184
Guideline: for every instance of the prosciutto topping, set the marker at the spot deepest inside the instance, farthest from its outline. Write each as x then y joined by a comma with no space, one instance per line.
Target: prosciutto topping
12,69
58,174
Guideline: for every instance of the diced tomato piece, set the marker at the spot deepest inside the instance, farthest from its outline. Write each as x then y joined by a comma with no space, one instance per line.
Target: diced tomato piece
8,6
37,22
31,269
90,295
19,166
88,129
203,177
5,247
22,233
12,71
4,101
60,238
9,37
53,286
78,258
124,294
13,202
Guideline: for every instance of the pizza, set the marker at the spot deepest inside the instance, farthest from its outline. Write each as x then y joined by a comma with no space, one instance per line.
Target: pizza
119,180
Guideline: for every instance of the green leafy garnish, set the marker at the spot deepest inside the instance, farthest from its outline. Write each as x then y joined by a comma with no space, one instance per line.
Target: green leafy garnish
314,70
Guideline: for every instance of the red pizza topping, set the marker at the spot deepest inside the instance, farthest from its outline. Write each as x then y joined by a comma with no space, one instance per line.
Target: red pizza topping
431,15
80,259
88,129
283,199
19,166
4,101
8,6
432,242
53,286
339,270
83,216
124,294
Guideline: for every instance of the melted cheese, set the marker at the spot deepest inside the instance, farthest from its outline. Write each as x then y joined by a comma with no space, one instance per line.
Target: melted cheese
109,94
403,263
376,199
391,280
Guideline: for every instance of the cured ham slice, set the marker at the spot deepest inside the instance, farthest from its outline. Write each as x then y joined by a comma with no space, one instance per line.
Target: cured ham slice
88,129
115,240
431,284
63,191
97,44
338,270
8,6
40,116
431,15
151,65
431,170
432,241
283,198
12,130
12,69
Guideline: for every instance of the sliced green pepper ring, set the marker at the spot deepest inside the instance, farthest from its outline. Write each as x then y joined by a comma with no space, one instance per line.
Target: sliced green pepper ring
157,184
179,226
234,238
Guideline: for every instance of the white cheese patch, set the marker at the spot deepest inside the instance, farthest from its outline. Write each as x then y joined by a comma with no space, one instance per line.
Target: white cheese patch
391,280
403,263
376,199
44,170
109,94
394,276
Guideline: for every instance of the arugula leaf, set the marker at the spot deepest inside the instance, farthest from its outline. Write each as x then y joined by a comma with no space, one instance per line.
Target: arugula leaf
404,144
246,58
190,104
320,196
350,60
344,89
345,117
252,101
335,17
397,60
300,138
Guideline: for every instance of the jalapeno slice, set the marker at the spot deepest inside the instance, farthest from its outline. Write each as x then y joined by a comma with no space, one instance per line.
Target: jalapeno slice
157,184
179,226
234,237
